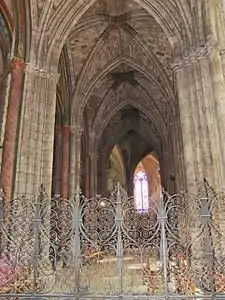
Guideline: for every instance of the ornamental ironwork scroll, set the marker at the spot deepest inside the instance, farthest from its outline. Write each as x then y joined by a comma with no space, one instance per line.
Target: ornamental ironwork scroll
105,248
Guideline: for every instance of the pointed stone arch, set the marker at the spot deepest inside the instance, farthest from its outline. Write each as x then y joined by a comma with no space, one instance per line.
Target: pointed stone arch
156,66
117,109
117,134
100,124
79,103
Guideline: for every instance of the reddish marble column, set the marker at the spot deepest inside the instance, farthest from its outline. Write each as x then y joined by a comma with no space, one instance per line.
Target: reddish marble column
11,129
65,160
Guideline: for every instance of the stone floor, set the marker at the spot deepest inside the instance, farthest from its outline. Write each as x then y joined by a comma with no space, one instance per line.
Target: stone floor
103,277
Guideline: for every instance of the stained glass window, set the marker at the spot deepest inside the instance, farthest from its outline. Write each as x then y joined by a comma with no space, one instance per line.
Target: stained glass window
141,191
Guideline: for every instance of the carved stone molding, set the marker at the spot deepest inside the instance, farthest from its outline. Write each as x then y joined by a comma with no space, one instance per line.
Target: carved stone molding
63,128
195,56
222,52
18,65
77,130
38,71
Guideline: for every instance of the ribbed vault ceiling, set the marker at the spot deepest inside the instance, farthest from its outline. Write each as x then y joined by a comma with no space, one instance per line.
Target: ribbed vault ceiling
119,55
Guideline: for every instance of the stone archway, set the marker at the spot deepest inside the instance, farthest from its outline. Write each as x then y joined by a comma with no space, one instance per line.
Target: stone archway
135,137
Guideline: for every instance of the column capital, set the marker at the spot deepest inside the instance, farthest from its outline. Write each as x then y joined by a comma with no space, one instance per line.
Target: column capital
61,128
76,130
68,128
204,50
44,73
92,135
222,52
94,155
195,55
18,65
177,66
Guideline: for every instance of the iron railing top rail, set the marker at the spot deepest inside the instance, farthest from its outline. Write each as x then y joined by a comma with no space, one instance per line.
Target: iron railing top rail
120,296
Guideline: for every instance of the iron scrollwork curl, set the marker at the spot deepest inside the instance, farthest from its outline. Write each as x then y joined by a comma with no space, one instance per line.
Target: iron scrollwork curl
105,247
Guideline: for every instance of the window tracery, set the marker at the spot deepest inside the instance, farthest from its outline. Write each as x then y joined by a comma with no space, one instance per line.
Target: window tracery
141,191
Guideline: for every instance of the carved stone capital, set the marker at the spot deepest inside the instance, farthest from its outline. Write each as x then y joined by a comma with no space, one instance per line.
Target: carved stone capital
18,65
222,52
63,128
58,129
77,130
44,73
66,128
177,66
204,51
195,55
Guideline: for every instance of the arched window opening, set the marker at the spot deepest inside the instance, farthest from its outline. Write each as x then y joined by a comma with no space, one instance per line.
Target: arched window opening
116,169
141,191
147,183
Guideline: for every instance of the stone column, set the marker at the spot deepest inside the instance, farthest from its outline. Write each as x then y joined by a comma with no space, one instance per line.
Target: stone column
103,184
215,156
165,163
65,160
177,155
216,73
206,111
205,134
186,119
218,90
102,172
181,168
5,79
202,136
75,153
222,55
51,80
93,174
172,180
11,126
190,147
87,176
35,147
93,165
203,150
57,163
36,136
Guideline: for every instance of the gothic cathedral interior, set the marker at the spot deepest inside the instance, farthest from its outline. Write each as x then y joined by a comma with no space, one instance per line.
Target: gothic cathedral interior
107,108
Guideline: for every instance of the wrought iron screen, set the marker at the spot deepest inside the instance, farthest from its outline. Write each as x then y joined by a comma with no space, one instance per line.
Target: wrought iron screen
103,248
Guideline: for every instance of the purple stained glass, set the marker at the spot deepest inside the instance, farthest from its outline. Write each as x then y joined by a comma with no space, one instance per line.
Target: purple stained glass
141,191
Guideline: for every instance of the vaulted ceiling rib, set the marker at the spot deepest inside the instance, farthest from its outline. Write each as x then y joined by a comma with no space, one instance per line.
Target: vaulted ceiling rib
120,54
167,13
